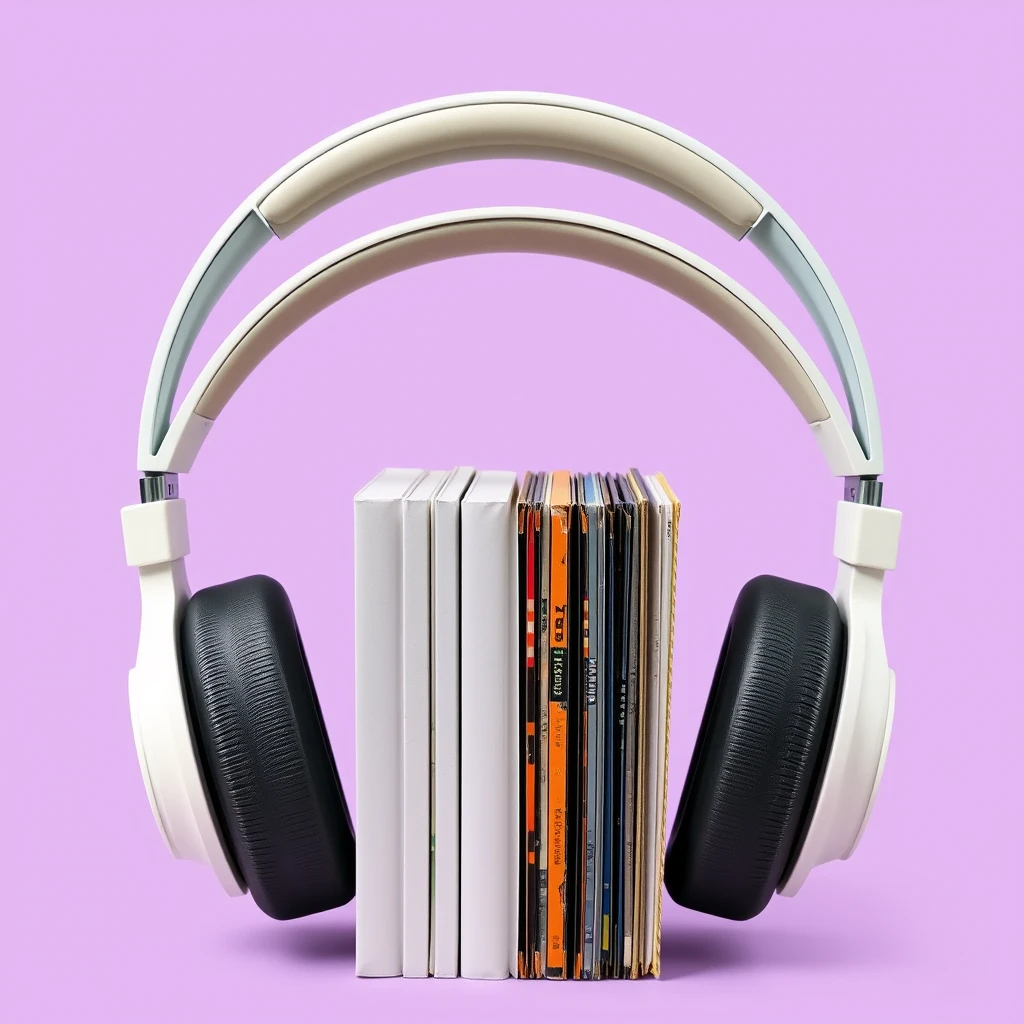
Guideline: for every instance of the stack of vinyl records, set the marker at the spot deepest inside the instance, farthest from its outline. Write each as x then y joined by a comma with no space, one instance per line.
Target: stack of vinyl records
513,681
596,586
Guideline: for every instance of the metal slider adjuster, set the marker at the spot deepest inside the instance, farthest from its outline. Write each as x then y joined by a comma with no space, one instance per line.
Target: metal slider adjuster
158,487
864,490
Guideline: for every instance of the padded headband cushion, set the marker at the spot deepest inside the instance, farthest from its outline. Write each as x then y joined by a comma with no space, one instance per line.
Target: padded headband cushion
760,751
264,750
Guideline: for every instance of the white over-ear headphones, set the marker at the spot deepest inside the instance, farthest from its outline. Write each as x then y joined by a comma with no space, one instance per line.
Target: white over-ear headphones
215,768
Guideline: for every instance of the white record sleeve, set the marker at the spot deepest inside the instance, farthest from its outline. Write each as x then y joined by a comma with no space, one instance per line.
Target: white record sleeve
378,686
417,507
445,716
655,641
490,701
669,533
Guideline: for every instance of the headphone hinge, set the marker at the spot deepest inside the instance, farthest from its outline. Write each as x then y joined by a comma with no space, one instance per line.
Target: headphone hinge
158,487
864,490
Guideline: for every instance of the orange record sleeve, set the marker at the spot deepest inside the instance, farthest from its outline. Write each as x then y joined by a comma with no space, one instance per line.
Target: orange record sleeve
558,724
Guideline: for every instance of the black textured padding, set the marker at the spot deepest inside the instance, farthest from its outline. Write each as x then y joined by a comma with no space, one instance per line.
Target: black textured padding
760,751
265,752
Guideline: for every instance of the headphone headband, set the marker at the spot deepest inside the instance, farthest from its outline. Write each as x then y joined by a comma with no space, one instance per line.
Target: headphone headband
487,125
525,129
516,229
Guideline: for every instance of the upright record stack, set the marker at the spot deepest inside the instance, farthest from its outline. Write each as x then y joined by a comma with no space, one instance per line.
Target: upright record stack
596,604
513,677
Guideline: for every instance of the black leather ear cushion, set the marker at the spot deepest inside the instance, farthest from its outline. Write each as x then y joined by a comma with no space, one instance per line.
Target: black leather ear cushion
262,743
760,750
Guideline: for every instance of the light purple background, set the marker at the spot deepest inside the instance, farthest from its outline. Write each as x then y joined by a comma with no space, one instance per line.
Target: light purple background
890,132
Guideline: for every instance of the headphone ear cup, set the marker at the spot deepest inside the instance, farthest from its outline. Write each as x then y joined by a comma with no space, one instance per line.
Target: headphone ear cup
263,748
760,751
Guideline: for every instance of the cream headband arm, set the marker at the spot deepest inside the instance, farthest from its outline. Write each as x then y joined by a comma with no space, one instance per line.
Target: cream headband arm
554,232
486,125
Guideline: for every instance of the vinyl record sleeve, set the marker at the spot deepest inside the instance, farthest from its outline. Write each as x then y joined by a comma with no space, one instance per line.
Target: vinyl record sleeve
558,724
377,515
642,499
525,654
658,642
533,716
446,702
490,758
528,513
658,511
575,792
632,626
544,691
670,559
609,843
622,913
594,646
417,836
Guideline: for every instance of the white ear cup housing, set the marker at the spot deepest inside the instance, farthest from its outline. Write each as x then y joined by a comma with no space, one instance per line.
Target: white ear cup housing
860,739
163,739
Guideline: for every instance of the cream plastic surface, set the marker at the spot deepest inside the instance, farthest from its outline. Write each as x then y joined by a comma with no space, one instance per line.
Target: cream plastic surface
867,535
785,244
523,229
163,740
864,719
155,532
521,129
